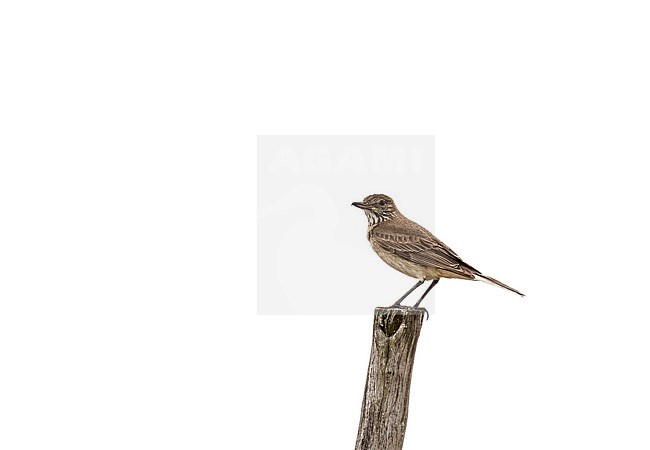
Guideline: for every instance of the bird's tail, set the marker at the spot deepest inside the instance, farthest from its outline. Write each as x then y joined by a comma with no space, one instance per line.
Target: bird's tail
491,280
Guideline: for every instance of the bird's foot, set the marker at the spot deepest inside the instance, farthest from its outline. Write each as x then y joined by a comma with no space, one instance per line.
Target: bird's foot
424,309
396,305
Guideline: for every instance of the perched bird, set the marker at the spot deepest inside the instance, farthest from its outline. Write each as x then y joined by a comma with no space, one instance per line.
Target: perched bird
413,250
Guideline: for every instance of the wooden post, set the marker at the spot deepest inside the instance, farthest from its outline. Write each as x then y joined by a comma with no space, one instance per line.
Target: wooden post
386,399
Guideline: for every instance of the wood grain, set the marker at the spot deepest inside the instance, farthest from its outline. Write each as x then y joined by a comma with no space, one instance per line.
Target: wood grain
386,399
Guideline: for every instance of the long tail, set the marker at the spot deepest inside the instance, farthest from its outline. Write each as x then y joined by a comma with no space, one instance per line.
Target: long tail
491,280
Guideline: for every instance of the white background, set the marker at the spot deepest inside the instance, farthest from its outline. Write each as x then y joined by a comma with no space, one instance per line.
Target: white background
127,229
309,236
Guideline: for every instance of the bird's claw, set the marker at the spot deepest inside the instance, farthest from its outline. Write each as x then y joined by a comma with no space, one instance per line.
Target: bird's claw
397,305
413,307
425,310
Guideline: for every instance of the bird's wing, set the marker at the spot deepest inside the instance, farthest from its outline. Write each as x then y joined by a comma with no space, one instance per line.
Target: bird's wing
423,248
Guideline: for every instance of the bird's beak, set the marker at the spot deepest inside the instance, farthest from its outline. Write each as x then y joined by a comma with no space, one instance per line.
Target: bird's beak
359,205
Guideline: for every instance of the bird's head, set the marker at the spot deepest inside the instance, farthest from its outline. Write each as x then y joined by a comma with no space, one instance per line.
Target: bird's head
378,207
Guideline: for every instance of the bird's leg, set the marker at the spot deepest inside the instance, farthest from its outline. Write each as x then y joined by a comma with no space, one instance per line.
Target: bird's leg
433,283
397,303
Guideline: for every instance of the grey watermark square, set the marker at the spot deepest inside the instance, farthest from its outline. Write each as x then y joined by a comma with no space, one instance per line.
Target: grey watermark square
313,255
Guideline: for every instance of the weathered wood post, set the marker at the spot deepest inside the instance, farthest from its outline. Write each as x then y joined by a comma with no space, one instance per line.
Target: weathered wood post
386,399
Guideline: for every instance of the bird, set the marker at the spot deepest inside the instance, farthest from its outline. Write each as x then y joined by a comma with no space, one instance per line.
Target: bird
412,249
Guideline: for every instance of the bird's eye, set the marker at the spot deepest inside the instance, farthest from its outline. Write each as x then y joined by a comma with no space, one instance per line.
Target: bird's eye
382,202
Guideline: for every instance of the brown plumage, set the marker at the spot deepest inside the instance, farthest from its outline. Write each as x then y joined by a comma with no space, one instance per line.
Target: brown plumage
412,249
